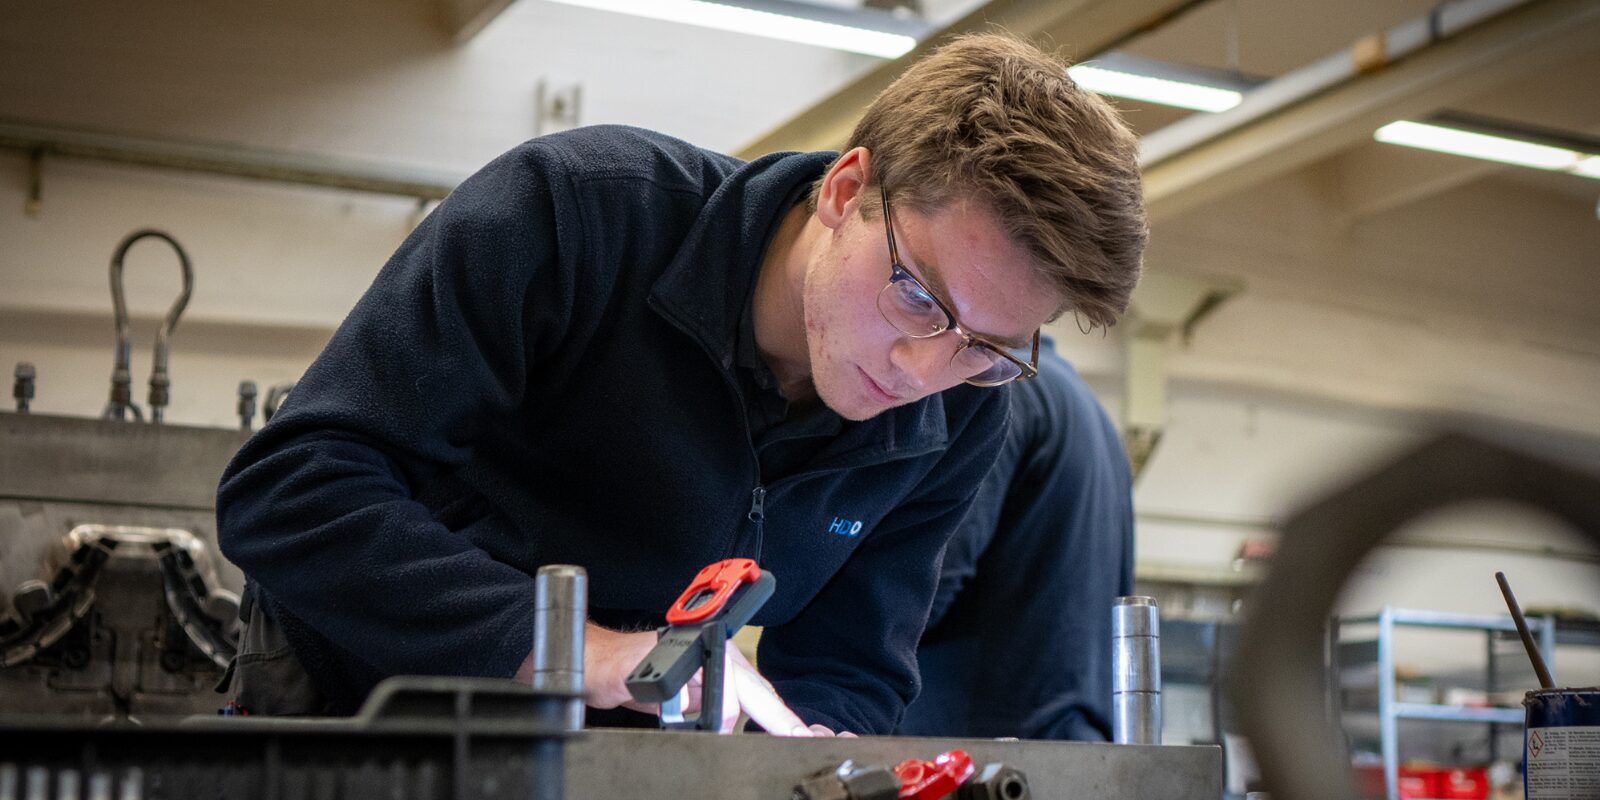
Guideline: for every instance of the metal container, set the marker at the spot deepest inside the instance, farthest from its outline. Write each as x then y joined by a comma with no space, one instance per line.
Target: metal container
561,609
1135,671
1561,748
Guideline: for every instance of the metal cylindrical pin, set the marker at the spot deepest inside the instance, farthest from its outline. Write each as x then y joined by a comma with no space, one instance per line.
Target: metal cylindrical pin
22,389
561,609
247,404
1136,671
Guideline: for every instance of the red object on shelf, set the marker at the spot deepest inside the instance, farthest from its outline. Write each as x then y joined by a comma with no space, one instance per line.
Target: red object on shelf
1464,783
931,780
1427,783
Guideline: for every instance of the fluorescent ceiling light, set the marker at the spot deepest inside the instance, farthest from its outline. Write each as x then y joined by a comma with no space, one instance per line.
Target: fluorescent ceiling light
1161,91
1588,168
1502,149
760,23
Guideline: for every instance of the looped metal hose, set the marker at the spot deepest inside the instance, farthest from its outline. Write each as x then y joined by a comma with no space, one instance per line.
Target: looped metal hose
121,376
276,394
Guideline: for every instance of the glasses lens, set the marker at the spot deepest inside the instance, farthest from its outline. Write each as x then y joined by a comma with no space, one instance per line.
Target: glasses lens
981,366
910,309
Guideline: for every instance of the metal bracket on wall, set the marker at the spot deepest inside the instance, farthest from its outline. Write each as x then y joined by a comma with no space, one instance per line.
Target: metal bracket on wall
556,106
1163,305
35,183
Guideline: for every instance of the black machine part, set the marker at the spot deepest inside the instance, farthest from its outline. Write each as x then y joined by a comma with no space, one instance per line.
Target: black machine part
129,620
135,651
849,782
996,782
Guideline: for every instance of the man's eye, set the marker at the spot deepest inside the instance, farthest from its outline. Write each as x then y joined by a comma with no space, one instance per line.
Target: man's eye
915,301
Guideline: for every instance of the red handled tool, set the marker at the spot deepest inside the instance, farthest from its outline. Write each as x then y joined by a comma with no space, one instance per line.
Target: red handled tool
711,589
719,601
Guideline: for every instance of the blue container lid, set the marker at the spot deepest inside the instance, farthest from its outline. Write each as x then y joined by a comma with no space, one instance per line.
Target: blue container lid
1563,708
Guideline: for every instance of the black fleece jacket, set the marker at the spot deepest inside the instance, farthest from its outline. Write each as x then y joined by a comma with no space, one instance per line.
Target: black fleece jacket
545,373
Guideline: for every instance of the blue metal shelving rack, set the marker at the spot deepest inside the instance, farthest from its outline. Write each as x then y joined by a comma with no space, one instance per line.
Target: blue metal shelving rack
1390,712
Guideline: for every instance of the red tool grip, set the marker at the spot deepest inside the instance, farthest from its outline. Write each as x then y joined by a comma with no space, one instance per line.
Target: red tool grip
931,780
710,590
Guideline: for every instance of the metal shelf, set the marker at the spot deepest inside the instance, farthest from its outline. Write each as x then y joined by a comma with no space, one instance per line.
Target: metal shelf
1509,716
1362,718
1380,651
1443,619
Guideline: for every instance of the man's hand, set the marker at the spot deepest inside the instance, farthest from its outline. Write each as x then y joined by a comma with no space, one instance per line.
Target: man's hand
609,657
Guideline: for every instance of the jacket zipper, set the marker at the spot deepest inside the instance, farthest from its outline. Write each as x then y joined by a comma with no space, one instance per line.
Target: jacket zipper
758,495
758,515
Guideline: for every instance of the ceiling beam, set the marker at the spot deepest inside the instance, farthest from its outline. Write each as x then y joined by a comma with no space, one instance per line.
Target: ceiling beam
1517,44
1082,27
1371,179
462,19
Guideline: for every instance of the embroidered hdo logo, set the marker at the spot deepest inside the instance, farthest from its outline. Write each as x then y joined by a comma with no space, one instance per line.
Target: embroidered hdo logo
845,527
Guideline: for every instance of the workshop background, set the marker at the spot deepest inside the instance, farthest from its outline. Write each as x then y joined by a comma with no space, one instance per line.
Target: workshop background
1316,300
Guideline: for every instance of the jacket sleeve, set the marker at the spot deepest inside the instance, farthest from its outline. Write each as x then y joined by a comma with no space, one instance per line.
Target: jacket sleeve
848,660
318,508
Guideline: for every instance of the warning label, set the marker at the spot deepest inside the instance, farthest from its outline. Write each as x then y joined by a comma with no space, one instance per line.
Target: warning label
1563,763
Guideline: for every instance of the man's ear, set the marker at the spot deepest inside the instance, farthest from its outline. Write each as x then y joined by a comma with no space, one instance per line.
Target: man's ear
843,187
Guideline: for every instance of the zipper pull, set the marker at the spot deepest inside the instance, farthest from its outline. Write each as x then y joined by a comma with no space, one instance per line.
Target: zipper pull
758,502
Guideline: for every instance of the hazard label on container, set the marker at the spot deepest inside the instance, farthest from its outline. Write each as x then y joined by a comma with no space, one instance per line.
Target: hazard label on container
1563,763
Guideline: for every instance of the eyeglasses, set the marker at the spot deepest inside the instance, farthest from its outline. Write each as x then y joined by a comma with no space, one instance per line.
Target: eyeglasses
916,312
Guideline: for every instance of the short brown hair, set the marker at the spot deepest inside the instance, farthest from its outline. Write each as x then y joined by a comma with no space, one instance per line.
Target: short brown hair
994,119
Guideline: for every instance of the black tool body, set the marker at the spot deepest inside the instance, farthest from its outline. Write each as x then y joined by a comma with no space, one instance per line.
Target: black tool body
720,600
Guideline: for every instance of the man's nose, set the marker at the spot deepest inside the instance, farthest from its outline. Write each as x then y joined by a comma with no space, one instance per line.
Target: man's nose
923,364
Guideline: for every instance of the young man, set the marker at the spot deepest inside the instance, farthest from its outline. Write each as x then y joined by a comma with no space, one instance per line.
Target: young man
1019,639
613,349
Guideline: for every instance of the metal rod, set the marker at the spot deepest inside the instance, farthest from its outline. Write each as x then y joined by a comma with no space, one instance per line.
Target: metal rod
121,377
561,609
1388,723
1545,679
232,161
1136,671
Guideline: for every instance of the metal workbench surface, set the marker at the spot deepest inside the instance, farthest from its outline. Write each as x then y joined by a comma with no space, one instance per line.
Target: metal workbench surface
610,764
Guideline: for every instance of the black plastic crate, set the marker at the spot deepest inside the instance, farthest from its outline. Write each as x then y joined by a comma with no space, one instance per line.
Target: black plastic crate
415,739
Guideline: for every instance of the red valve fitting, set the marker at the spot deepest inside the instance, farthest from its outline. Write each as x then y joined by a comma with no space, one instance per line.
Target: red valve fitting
932,780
